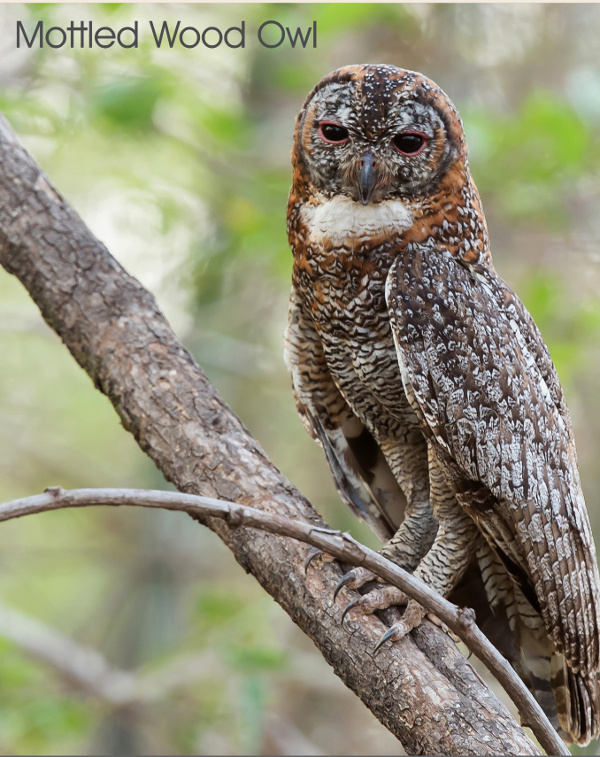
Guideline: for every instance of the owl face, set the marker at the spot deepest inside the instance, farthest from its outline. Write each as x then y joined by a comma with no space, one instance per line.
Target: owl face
374,133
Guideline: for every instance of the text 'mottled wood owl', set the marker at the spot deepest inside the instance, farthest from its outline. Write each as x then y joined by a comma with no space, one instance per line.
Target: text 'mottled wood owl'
429,386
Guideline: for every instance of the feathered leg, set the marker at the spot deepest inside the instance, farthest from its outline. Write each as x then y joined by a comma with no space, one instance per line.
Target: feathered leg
443,565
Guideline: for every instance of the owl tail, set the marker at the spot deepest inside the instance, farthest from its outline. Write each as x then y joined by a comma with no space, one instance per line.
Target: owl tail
536,665
570,700
577,701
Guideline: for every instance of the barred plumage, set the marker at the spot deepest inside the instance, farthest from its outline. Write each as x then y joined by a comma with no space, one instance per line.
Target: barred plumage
429,386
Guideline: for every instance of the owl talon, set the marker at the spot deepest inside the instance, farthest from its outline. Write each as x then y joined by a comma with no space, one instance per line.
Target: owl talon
349,606
316,554
412,617
343,581
387,635
354,579
312,555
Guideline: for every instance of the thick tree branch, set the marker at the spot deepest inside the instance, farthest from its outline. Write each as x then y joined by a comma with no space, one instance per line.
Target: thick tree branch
340,545
421,688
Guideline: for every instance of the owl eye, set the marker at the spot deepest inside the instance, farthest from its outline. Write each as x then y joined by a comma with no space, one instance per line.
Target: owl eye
333,133
410,142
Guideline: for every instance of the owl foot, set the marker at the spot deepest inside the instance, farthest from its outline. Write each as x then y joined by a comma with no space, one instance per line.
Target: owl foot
354,579
383,597
379,598
412,617
316,554
440,624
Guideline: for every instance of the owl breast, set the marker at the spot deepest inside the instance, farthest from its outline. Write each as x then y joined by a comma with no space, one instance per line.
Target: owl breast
342,279
364,366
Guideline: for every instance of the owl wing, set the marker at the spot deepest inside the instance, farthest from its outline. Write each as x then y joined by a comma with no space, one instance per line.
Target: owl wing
360,471
477,372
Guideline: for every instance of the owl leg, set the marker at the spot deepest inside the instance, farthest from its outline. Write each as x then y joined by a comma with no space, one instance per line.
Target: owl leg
443,565
415,535
409,464
406,548
451,552
407,457
457,536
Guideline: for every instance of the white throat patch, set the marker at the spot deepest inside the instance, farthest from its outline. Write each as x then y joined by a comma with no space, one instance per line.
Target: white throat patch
340,219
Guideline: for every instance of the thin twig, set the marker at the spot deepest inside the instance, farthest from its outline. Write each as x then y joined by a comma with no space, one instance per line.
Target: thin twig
340,545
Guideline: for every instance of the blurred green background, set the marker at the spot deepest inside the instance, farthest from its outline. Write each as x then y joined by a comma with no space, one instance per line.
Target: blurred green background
179,161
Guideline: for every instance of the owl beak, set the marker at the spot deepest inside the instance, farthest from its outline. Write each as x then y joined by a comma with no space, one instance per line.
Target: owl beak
367,178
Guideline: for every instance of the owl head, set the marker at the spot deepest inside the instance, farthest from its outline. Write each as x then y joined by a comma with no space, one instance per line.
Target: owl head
375,132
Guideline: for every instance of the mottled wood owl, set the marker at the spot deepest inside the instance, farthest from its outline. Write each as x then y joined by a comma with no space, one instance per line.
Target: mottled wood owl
429,386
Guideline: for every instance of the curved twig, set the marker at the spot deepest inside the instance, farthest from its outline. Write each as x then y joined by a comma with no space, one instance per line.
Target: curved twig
342,546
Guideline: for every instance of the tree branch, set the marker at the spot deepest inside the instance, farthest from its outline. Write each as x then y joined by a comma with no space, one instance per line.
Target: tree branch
421,688
80,664
340,545
88,670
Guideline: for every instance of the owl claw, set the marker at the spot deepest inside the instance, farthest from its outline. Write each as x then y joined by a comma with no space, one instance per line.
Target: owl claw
316,554
384,637
354,579
344,581
349,607
412,617
312,555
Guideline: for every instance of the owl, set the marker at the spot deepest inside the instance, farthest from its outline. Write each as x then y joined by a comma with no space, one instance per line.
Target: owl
430,388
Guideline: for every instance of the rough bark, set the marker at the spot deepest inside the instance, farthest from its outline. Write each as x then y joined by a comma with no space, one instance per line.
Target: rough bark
421,689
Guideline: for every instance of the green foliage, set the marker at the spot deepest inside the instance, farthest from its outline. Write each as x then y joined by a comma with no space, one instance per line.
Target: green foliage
33,716
215,608
567,326
127,103
529,158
